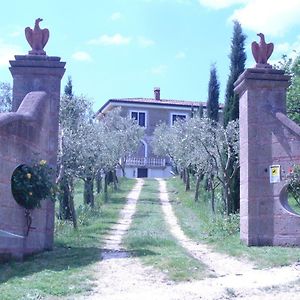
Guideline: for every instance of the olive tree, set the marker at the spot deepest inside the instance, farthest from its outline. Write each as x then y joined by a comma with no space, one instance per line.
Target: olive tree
5,97
222,147
174,142
200,143
122,132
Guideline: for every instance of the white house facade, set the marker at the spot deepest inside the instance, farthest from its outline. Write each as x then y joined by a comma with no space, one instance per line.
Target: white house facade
149,112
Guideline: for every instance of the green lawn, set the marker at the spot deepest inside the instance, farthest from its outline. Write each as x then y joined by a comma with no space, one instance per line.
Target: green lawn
294,204
197,222
67,269
149,238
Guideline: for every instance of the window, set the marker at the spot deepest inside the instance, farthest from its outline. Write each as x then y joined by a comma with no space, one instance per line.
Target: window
140,117
176,117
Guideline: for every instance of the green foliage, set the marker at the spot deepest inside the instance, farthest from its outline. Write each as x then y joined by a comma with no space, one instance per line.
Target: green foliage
32,184
294,184
237,66
292,67
213,95
223,226
293,94
204,146
69,88
231,109
5,97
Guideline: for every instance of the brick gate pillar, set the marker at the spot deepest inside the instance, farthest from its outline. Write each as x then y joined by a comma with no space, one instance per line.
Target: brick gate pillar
264,141
39,73
30,131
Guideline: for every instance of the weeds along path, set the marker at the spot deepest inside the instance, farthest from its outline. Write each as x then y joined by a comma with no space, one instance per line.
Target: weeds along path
231,272
218,263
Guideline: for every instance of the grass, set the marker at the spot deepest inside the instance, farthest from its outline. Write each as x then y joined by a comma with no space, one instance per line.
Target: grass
150,239
67,269
197,222
294,204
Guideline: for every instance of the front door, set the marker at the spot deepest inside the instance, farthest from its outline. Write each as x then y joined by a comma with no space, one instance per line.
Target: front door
142,172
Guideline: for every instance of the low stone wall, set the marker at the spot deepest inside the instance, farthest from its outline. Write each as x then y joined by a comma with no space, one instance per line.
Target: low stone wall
286,153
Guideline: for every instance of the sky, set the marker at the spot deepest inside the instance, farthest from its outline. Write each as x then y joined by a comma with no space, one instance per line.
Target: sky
125,48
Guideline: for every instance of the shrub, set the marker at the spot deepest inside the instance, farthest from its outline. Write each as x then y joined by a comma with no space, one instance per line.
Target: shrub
32,184
294,183
221,226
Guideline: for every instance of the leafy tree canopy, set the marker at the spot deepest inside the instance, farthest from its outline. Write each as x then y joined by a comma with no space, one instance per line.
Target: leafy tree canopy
292,67
5,97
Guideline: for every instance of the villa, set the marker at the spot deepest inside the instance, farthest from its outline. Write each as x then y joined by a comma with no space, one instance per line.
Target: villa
149,112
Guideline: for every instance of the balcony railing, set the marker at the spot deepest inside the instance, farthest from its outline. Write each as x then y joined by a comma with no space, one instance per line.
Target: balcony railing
145,162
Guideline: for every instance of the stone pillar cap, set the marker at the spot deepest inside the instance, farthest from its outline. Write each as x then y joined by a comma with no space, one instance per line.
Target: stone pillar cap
261,75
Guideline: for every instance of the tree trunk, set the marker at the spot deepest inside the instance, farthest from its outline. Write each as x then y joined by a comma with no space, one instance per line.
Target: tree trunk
235,192
227,199
64,196
187,183
72,206
213,199
99,182
105,186
115,180
199,178
183,172
89,191
207,184
122,165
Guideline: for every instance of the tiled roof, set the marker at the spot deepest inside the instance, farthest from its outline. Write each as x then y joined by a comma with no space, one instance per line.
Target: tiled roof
154,102
160,101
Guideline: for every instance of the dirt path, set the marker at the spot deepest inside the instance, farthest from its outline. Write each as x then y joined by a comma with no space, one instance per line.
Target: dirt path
123,277
219,264
112,242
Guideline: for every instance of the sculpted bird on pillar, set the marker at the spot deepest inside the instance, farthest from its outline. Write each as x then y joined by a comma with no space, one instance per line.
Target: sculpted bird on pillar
262,51
37,38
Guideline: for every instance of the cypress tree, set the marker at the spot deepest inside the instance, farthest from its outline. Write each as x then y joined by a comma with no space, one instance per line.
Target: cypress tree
213,95
231,108
69,88
237,67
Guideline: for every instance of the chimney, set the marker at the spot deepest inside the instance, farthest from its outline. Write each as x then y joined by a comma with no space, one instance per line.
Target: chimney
157,93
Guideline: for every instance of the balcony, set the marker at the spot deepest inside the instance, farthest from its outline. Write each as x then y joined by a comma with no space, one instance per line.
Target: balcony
146,162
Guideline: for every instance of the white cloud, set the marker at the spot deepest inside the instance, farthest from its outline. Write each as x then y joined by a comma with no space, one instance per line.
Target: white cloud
7,52
145,42
16,33
81,56
291,50
219,4
106,40
116,16
273,17
159,70
180,55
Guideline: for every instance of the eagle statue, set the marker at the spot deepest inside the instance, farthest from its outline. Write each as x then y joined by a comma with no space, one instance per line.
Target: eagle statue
262,51
37,38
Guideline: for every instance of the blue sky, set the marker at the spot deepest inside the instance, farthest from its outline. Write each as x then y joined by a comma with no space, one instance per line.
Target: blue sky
124,48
